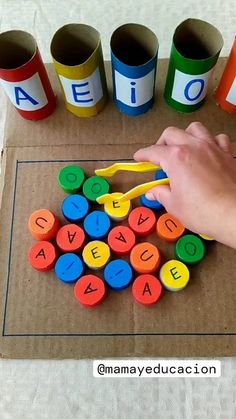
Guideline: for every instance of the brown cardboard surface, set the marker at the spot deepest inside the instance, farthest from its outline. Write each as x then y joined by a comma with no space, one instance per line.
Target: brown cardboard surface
39,316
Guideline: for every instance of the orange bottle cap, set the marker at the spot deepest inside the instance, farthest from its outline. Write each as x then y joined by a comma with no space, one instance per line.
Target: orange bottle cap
169,228
43,224
145,258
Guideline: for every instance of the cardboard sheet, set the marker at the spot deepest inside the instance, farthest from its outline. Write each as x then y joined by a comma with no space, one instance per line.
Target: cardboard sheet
39,315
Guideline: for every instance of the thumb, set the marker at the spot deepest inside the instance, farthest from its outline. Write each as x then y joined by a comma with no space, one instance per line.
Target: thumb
161,193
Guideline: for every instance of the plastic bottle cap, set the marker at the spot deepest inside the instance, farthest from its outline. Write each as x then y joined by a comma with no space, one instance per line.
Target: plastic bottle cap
146,289
70,238
89,290
174,275
142,220
97,224
74,207
43,224
94,187
169,228
115,209
190,249
118,274
154,205
96,254
145,258
68,268
70,178
42,256
121,239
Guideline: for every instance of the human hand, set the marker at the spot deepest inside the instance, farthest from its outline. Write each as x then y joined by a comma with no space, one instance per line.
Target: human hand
202,173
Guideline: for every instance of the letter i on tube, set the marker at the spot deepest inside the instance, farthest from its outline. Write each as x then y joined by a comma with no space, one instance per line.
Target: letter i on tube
24,77
226,92
77,56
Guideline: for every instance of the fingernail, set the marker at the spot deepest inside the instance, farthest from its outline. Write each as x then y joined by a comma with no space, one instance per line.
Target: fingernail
150,196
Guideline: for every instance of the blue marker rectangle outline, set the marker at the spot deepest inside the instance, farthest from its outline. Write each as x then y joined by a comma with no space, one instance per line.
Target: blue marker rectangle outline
4,334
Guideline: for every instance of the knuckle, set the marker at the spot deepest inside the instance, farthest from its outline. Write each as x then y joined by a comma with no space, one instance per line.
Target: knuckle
169,131
195,124
180,153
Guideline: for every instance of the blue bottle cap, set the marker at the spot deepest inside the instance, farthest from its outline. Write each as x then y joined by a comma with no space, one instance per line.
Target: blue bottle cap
74,207
160,174
154,205
69,268
97,224
118,274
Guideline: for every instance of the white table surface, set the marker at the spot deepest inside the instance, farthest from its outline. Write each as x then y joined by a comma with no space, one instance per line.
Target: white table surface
67,389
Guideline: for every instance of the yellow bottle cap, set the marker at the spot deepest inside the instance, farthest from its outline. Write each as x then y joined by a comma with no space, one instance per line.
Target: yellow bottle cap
204,237
115,209
96,254
174,275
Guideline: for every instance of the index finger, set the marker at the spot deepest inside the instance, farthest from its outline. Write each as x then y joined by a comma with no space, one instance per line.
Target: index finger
157,154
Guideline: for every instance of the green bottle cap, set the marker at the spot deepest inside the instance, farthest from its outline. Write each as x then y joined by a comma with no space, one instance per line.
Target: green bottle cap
190,249
70,178
94,187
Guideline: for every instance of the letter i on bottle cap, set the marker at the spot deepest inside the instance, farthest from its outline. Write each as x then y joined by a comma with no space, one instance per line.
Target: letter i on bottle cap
77,56
24,77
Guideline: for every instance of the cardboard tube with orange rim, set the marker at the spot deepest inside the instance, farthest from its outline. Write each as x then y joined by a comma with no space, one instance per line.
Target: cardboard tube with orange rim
226,91
24,77
77,56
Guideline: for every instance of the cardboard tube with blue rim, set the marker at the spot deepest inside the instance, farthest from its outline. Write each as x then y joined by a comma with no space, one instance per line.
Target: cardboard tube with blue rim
134,50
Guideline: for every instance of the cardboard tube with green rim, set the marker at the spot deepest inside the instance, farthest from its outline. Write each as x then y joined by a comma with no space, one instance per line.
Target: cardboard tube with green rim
195,49
77,56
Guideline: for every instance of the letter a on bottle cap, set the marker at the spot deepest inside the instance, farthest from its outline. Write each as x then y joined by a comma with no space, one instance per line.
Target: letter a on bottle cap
89,290
146,289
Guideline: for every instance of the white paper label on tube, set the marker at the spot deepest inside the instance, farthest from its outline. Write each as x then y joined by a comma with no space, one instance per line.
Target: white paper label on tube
231,96
27,95
134,92
190,89
83,92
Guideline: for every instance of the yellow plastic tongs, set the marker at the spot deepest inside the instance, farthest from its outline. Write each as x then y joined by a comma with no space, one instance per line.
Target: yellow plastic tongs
134,192
138,190
140,167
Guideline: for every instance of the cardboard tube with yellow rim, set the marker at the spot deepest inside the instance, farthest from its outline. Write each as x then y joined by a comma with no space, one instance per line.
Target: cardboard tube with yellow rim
77,56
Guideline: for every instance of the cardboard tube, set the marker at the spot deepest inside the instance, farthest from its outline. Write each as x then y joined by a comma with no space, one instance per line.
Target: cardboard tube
23,75
226,92
194,53
134,50
77,56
